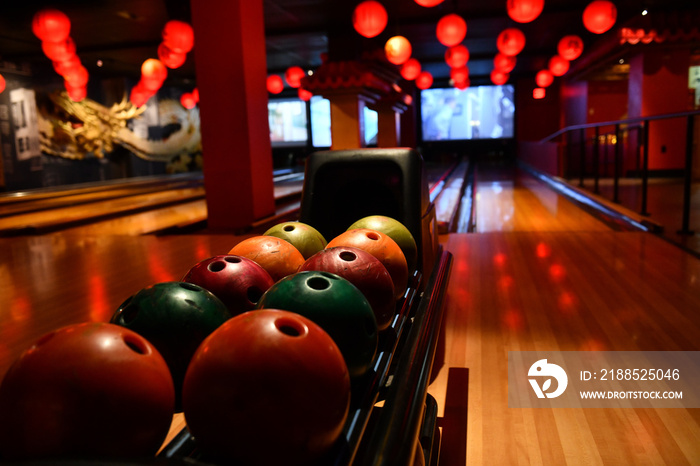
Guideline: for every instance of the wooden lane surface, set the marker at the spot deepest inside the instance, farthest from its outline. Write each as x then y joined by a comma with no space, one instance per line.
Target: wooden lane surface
45,200
67,216
511,200
177,211
562,291
155,220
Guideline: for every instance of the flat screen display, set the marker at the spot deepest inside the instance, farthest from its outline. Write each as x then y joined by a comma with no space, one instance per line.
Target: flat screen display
288,125
480,112
320,121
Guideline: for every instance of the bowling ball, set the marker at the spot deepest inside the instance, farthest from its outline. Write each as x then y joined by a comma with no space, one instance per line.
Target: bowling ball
383,248
337,306
92,390
394,230
268,387
273,254
175,317
302,236
237,281
364,271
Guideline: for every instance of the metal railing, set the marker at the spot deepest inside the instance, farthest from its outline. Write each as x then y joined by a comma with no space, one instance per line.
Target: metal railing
631,134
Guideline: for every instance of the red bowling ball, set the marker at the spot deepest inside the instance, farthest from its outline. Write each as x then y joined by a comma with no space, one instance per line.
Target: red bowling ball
381,246
92,390
364,271
268,387
237,281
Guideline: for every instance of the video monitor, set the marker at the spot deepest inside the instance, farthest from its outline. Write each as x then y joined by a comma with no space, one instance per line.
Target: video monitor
320,121
288,124
480,112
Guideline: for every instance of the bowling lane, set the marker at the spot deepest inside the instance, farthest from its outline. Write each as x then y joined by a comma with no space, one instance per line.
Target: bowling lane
508,199
562,291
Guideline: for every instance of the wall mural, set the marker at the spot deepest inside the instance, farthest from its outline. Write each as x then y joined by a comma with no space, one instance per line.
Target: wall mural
79,130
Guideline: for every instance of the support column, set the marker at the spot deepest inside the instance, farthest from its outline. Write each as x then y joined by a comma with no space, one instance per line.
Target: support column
389,127
347,121
658,84
230,60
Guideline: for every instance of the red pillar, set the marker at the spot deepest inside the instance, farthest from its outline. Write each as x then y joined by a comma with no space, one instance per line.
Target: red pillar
230,61
658,84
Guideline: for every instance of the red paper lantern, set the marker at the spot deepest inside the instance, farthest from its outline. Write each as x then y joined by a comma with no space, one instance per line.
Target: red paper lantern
195,94
544,78
76,94
59,51
499,77
178,36
429,3
170,58
504,63
462,85
558,65
51,25
424,80
64,67
397,50
524,11
510,41
538,93
293,76
599,16
153,69
187,100
457,56
304,94
459,75
275,85
77,77
139,95
570,47
153,73
411,69
451,30
2,83
369,18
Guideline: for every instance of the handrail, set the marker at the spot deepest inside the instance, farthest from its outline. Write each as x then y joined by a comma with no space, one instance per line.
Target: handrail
642,148
619,122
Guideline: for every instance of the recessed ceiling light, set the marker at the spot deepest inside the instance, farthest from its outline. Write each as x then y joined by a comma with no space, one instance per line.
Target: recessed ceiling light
644,12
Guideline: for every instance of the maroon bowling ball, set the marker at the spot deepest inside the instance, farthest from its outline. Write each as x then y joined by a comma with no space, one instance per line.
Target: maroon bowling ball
364,271
268,387
237,281
86,391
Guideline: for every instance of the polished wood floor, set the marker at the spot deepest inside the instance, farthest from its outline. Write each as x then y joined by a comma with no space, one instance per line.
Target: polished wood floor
562,282
524,286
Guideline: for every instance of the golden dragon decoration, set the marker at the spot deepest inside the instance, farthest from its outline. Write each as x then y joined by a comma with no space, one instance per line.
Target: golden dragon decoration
78,130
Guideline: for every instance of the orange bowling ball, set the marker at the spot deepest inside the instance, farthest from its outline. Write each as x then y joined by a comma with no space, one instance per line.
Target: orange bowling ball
383,248
277,256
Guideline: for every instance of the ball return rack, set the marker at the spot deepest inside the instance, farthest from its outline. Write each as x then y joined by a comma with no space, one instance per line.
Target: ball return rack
392,418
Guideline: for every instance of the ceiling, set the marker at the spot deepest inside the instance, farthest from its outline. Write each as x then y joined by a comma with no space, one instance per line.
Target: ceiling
123,33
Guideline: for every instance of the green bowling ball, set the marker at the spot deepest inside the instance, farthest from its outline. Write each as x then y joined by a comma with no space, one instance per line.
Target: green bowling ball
337,306
394,230
175,317
302,236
